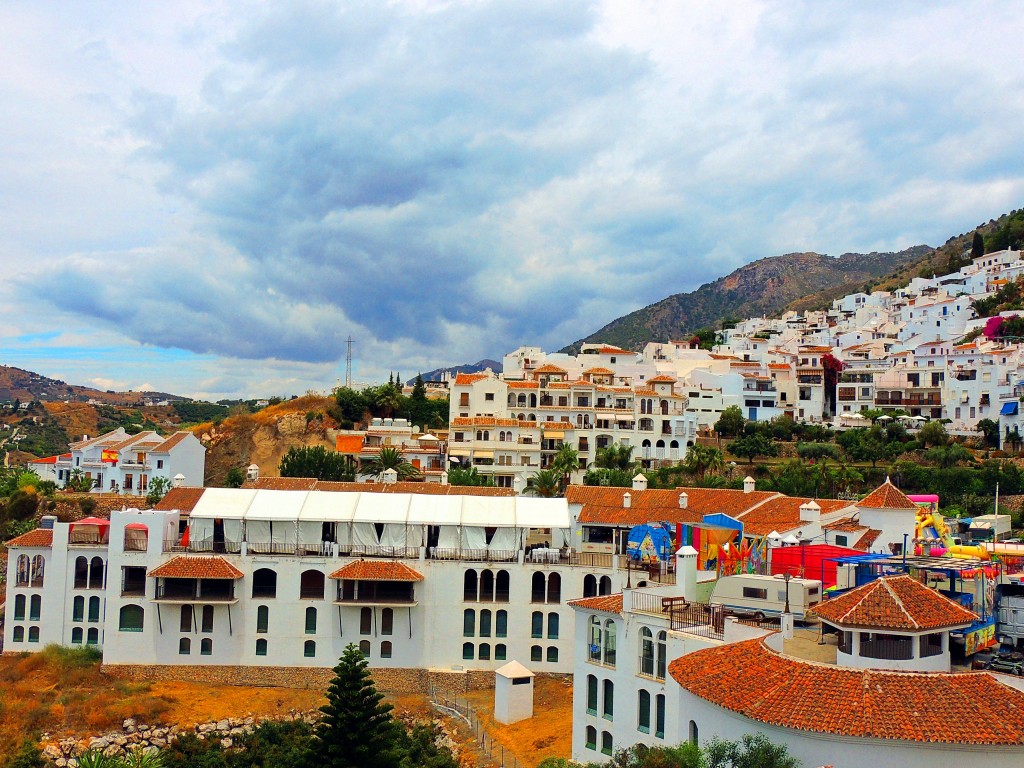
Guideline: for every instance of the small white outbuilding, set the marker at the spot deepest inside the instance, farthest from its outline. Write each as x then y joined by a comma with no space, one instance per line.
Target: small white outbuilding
513,693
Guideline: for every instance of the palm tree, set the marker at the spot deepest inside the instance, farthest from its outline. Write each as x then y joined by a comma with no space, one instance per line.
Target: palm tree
565,462
615,456
700,460
547,484
390,458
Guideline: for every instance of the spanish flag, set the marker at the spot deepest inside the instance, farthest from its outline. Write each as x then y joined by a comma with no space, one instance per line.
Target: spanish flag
108,456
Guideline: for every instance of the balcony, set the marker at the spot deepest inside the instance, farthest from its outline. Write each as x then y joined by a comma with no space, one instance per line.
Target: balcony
375,593
195,591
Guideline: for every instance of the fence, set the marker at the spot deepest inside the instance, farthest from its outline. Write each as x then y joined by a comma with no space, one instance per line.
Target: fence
488,746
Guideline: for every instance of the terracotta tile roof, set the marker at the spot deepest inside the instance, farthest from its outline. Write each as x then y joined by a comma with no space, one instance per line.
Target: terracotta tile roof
758,683
783,514
606,603
779,366
40,537
47,460
897,602
549,368
557,385
866,541
601,504
171,442
132,439
523,384
377,570
348,443
607,350
282,483
464,379
196,567
663,378
600,371
847,524
642,391
886,496
182,499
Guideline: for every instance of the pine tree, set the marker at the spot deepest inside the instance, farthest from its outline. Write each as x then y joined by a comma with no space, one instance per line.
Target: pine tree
977,245
356,730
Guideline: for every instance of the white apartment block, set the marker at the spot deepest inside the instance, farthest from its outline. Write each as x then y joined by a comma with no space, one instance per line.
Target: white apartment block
121,463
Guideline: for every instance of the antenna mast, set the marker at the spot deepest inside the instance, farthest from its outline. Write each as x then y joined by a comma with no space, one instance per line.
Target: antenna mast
348,362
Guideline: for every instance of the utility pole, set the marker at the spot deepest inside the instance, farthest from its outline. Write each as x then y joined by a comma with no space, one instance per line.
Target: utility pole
348,362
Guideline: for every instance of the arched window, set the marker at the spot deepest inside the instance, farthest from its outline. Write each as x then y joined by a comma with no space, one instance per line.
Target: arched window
35,607
364,648
660,444
81,573
185,619
609,643
484,652
499,652
595,639
591,695
693,733
264,583
608,700
537,624
554,588
19,607
261,647
206,647
606,743
659,716
131,618
184,646
591,737
309,649
78,609
605,586
552,654
468,623
38,566
94,609
646,652
311,585
387,621
19,634
536,653
23,571
311,621
486,586
501,587
664,407
262,619
33,634
92,637
552,626
659,671
365,621
533,404
643,723
674,444
385,649
589,585
76,636
469,586
485,623
467,651
207,619
537,587
96,573
501,624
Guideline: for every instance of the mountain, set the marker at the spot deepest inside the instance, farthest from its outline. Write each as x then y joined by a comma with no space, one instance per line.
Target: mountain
19,384
438,373
764,287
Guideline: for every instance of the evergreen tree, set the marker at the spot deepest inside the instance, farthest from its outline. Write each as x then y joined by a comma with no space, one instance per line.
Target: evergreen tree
356,730
977,245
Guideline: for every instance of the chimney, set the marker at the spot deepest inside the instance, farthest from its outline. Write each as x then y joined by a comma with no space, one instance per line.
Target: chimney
686,573
444,478
252,472
639,482
390,477
684,500
748,484
626,499
810,512
178,481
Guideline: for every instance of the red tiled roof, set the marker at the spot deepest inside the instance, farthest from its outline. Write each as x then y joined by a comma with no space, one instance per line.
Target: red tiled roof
549,368
846,524
606,603
523,384
886,496
40,537
601,504
663,378
432,489
609,350
377,570
463,379
196,567
898,602
171,441
783,514
864,542
47,460
599,371
282,483
182,499
760,684
348,443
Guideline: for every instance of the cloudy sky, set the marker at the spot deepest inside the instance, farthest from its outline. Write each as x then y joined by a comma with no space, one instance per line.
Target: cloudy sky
208,198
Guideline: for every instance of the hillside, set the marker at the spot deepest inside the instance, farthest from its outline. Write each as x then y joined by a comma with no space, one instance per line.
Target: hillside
764,287
438,373
798,281
19,384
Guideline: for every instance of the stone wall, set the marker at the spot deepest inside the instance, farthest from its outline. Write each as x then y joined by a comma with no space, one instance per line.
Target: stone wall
389,680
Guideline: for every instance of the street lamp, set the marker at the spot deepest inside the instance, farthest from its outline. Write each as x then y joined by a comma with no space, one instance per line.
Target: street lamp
787,577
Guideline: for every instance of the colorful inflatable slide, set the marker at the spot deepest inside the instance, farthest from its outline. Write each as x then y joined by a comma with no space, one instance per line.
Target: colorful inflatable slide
934,538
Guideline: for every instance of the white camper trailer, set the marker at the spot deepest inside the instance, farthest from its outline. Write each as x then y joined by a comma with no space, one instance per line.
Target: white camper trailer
766,595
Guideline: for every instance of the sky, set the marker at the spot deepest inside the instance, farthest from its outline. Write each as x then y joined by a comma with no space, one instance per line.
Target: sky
208,198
